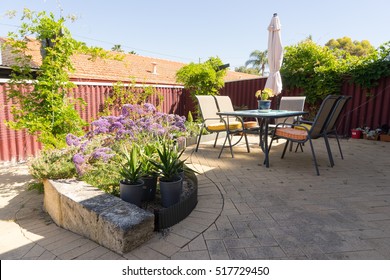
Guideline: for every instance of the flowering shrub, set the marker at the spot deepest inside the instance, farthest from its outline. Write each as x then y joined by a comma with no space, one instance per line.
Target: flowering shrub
96,156
99,149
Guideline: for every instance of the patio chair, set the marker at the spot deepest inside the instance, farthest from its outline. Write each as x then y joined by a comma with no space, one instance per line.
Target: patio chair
303,135
290,103
225,104
213,123
330,127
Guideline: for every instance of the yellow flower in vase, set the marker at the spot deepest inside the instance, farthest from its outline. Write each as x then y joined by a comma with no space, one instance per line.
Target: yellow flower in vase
264,94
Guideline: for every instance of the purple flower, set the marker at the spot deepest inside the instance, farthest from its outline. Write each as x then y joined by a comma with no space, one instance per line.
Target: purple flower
116,125
78,159
102,153
72,140
101,125
148,107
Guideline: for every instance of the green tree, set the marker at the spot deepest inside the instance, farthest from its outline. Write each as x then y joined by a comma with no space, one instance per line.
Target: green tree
243,69
371,68
315,69
202,78
117,48
258,60
355,48
43,108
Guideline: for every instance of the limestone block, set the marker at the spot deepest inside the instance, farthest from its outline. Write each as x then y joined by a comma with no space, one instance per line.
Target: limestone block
103,218
51,202
125,226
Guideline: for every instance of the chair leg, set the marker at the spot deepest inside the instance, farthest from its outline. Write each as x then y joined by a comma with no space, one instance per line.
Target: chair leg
338,143
300,146
285,148
314,157
328,150
247,144
224,144
200,136
216,138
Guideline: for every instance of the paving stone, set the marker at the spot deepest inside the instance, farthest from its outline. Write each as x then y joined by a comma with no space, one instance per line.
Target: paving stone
217,249
265,253
197,244
93,254
192,255
241,242
290,212
237,254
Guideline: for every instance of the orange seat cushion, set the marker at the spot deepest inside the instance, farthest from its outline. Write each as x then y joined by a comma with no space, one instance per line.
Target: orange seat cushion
221,126
292,133
251,124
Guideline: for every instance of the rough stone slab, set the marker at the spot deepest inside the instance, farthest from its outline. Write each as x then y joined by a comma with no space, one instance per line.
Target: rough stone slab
103,218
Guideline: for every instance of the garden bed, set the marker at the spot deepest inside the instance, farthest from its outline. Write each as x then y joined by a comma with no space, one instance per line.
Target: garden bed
108,220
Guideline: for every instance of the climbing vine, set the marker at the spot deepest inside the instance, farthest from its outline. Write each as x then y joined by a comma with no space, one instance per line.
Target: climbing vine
43,108
320,71
128,94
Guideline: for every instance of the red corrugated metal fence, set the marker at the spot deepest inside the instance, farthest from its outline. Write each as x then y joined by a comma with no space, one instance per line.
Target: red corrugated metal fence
365,109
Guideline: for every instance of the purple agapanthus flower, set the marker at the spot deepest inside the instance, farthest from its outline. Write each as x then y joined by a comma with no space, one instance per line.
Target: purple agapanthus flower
102,153
101,125
72,140
78,159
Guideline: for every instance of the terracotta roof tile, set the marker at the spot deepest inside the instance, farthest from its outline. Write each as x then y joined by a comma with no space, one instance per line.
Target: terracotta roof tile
132,68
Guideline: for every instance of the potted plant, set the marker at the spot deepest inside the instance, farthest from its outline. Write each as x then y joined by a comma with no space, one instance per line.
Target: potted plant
263,98
370,134
131,186
168,166
148,170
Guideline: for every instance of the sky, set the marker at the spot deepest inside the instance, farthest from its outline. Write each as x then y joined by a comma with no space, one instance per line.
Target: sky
193,31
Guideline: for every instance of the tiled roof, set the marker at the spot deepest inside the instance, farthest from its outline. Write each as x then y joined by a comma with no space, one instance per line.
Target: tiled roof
132,68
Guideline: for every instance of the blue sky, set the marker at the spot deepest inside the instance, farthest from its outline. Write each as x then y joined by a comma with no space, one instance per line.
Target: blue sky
192,31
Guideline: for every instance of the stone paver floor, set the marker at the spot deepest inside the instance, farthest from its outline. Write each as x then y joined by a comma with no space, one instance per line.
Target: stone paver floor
245,210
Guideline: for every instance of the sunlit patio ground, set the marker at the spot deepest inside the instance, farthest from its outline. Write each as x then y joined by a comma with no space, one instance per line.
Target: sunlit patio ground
245,210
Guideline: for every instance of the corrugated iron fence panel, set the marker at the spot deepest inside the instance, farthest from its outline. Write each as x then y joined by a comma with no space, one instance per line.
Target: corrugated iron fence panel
365,109
14,145
242,92
370,109
19,145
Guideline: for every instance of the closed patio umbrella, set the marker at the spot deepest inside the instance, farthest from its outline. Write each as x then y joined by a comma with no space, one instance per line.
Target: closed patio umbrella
275,56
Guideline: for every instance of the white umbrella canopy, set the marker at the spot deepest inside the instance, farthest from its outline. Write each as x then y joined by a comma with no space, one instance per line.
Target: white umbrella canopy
275,55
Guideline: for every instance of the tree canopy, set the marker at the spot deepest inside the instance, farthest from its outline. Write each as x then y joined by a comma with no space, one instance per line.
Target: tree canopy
320,70
356,48
243,69
202,78
258,60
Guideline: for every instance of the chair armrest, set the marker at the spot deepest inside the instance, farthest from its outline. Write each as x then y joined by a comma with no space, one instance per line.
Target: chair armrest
305,121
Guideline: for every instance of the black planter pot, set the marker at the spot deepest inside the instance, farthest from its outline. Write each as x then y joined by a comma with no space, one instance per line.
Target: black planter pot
132,193
149,189
170,191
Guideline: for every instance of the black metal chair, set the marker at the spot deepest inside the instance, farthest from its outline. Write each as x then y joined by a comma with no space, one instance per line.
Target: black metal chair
331,127
304,134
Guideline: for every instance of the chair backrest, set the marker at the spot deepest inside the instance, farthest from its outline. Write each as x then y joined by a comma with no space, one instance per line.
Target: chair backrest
340,105
323,115
291,103
208,108
225,104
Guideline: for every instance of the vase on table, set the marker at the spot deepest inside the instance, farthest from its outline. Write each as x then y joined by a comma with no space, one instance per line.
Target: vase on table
264,104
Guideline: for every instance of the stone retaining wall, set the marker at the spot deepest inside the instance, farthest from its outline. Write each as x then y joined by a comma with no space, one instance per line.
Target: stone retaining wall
101,217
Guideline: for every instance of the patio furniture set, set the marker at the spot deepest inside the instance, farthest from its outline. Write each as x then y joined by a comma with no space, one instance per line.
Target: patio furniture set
219,116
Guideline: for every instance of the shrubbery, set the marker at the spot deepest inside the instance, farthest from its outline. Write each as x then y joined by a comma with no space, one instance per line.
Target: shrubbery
96,157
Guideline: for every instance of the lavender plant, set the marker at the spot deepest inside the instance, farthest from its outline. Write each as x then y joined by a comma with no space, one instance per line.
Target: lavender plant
138,124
